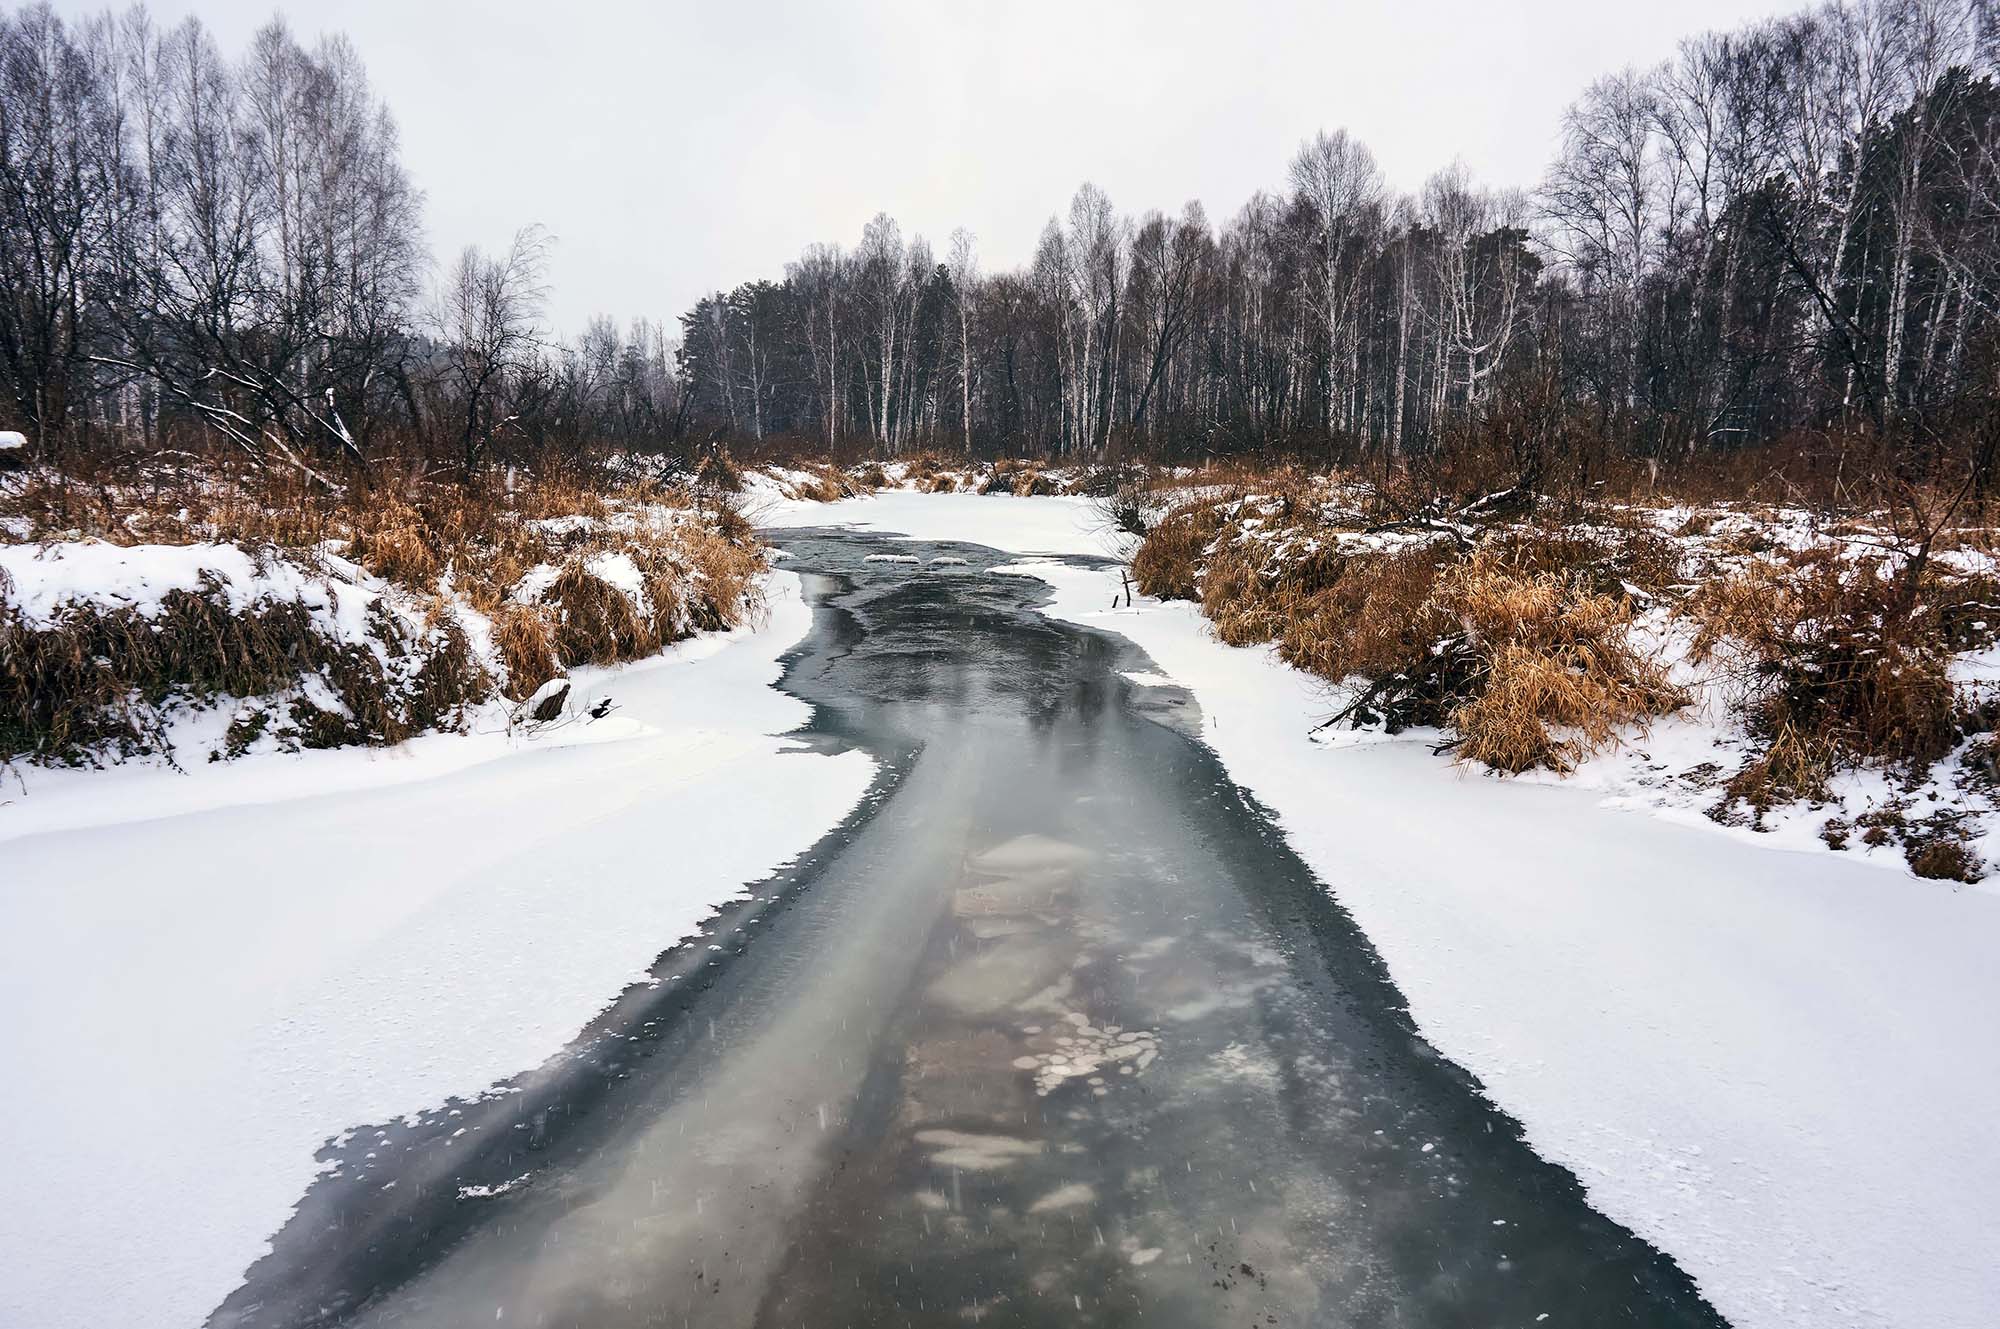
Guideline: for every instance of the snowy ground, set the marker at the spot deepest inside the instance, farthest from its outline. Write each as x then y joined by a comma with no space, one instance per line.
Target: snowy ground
204,977
997,521
1778,1066
1775,1065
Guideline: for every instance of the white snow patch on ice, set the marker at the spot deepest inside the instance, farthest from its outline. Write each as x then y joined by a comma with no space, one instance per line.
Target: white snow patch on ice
998,521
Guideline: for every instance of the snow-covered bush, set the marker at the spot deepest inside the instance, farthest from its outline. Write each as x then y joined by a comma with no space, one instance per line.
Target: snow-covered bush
321,617
103,645
1837,664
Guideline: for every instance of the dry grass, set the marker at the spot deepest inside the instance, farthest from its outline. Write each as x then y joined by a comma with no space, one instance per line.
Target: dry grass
526,648
1019,477
91,686
819,482
96,684
1843,659
1561,676
592,621
1167,564
1512,627
393,540
1522,647
1378,620
718,472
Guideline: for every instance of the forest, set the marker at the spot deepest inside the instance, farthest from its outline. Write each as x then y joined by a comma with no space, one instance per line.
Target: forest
1784,232
1784,235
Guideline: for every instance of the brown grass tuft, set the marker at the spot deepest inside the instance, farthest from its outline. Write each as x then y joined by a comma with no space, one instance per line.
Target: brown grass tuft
1945,858
594,622
1167,564
526,649
391,539
1561,675
1844,659
718,472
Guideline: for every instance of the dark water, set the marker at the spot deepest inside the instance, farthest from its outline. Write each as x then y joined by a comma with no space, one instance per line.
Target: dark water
1053,1030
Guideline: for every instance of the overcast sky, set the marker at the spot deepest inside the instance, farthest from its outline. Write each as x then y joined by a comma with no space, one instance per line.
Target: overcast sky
677,148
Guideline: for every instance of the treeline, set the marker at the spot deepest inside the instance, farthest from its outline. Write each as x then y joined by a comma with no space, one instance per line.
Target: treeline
1792,227
192,245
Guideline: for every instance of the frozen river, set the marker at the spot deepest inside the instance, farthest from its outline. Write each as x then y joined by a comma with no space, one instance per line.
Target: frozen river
1053,1030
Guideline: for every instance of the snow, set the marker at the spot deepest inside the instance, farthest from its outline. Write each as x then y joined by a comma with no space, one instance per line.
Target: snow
48,577
1775,1066
618,570
11,439
229,968
997,521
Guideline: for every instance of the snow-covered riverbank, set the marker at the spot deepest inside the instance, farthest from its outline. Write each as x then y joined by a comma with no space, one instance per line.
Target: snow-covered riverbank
207,976
1775,1065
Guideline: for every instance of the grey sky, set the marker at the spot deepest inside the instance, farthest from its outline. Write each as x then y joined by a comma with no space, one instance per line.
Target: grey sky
677,148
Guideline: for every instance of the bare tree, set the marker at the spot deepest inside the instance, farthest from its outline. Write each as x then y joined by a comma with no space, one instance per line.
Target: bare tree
1336,177
964,267
488,316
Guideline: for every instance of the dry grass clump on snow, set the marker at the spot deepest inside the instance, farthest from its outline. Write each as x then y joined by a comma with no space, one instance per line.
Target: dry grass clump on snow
1168,563
1842,659
364,615
1536,634
1521,646
719,472
1019,477
1557,675
93,682
1528,667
